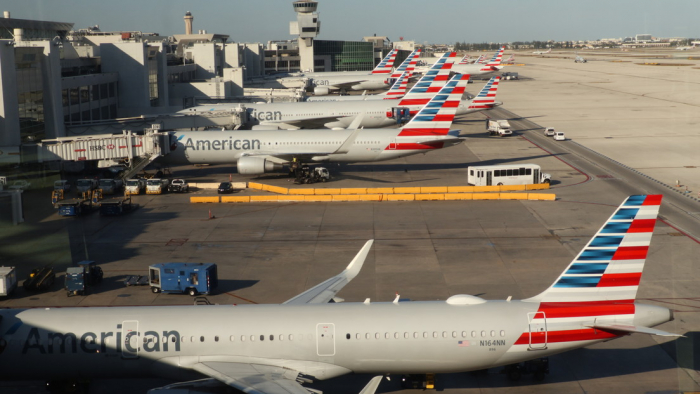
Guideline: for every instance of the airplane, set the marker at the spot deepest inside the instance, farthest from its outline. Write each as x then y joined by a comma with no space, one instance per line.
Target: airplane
686,48
324,83
340,114
511,59
542,52
273,349
493,65
256,152
396,91
580,59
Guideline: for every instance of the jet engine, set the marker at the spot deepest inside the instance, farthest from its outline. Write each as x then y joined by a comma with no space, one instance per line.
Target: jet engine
251,165
321,91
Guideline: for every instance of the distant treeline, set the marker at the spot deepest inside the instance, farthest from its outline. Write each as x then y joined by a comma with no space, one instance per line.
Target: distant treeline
464,46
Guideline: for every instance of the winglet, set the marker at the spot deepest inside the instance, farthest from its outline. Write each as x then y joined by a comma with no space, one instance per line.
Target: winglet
345,147
326,291
372,386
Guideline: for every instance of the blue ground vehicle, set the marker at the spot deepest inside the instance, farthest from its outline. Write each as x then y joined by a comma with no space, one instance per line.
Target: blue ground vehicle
79,278
190,278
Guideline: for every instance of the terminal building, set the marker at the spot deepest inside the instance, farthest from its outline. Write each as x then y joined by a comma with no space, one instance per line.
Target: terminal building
57,81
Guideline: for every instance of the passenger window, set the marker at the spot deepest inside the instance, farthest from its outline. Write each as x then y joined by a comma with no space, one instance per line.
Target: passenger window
232,338
386,335
201,339
216,339
252,338
291,337
473,334
493,333
415,335
454,334
396,335
281,337
357,336
347,335
483,333
425,334
242,338
377,335
444,334
368,336
405,335
435,334
262,338
503,333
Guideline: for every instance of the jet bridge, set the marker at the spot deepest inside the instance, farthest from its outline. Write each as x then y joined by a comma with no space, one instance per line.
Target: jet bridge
138,150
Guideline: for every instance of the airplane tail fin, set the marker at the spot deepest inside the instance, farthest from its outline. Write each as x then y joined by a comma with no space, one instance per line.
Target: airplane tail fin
487,96
465,60
436,117
431,82
398,89
480,59
408,65
387,64
609,268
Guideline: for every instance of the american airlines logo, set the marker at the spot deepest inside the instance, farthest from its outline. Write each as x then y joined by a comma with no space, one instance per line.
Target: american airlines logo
220,144
62,343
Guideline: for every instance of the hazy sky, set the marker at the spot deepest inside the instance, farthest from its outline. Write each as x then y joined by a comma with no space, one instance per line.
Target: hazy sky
436,21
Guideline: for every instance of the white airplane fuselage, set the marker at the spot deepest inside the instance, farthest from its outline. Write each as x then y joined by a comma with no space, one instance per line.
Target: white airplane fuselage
322,340
377,112
226,147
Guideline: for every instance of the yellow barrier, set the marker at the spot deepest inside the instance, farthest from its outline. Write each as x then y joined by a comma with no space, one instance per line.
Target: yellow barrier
321,192
372,197
353,190
513,196
510,188
380,190
277,189
264,198
430,197
288,198
406,190
318,198
486,196
460,189
458,196
542,197
486,189
537,186
400,197
347,197
204,199
434,189
256,186
235,198
301,191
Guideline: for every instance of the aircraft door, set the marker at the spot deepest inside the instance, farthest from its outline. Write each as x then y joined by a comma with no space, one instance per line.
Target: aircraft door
538,330
131,339
325,339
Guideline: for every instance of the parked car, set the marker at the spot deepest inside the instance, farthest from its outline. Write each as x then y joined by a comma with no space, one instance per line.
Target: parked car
225,188
559,136
549,131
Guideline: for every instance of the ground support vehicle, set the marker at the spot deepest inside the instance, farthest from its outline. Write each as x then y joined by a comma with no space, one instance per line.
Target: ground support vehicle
500,128
508,174
509,75
110,186
190,278
79,278
549,131
40,279
8,281
306,174
62,185
418,381
71,206
559,136
156,185
134,186
116,206
85,185
178,186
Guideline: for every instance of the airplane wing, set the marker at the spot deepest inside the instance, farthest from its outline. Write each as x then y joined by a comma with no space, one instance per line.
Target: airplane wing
305,123
324,292
253,378
347,84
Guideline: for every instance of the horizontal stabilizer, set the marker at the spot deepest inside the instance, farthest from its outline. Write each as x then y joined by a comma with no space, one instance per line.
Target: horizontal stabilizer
633,329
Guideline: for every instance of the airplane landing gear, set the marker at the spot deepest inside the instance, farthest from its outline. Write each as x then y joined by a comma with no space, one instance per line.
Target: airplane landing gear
538,368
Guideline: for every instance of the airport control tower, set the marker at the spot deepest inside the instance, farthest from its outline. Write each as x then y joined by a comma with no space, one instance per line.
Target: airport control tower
307,27
188,22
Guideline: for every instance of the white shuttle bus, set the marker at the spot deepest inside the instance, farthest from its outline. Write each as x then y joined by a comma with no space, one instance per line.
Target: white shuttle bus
510,174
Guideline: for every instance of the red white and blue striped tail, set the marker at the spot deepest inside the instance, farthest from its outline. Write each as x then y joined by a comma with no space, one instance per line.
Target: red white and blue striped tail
495,61
610,267
398,89
480,60
431,82
387,64
487,96
465,60
436,117
408,65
